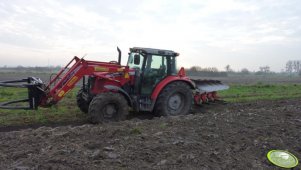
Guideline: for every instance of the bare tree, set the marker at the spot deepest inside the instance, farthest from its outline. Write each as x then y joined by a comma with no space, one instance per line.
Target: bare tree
228,68
245,71
293,66
264,69
289,66
195,68
296,66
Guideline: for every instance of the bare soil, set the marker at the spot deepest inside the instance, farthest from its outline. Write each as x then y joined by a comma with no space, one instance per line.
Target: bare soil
232,136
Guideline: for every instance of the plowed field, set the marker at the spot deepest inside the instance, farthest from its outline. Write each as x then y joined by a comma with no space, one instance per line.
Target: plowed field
232,136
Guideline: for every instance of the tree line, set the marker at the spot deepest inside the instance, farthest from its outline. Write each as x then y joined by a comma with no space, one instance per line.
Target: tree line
205,72
292,67
36,69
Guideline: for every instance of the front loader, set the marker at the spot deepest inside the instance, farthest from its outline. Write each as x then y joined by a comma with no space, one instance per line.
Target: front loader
149,82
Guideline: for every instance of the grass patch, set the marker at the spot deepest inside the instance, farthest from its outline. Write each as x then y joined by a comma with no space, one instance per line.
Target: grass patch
65,111
9,93
245,93
163,125
136,131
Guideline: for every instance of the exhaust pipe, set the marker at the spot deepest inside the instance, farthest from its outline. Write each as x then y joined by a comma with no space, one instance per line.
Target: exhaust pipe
119,55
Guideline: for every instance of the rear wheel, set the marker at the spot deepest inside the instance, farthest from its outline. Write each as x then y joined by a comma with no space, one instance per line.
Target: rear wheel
175,99
108,107
81,102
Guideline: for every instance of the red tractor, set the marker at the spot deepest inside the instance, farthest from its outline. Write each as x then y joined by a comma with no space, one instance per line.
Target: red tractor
149,82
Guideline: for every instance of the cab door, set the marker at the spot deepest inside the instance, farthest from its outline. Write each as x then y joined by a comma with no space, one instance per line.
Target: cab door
155,70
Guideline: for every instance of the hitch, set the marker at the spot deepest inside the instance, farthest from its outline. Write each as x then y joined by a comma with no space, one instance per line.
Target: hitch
36,91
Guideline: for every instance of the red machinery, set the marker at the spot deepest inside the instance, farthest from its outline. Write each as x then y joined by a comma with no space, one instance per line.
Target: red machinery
149,82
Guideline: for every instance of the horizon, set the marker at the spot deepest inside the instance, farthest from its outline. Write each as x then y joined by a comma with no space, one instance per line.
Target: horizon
204,69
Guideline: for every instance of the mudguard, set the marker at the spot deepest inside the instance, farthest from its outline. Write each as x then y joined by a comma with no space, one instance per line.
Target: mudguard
120,90
166,81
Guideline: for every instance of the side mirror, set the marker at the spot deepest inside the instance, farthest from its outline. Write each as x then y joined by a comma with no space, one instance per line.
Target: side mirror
136,59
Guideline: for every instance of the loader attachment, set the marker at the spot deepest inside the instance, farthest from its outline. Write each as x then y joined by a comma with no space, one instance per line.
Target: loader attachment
208,86
35,93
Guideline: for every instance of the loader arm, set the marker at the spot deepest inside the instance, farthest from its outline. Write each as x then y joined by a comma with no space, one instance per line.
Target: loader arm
43,95
66,79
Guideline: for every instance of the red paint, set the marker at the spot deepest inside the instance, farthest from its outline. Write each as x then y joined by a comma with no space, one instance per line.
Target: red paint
215,96
197,99
204,98
210,97
67,77
167,80
182,72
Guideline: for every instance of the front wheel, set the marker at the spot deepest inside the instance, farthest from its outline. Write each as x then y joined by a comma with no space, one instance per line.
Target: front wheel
81,102
108,107
175,99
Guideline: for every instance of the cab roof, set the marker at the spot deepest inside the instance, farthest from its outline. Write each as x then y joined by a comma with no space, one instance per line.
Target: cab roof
154,51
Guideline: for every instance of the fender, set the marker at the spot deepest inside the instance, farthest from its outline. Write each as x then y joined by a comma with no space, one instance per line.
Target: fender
120,90
166,81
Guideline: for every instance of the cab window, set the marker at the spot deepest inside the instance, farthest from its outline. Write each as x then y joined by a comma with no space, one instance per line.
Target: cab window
131,61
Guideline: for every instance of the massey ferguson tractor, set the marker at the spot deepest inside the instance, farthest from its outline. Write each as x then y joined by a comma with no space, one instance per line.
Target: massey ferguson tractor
149,82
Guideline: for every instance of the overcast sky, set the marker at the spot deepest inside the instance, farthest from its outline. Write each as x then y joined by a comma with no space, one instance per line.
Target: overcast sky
213,33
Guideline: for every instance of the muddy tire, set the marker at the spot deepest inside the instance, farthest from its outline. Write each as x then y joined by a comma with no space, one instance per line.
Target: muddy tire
108,107
175,99
81,102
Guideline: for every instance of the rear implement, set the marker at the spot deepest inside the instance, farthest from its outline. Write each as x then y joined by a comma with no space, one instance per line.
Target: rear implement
206,91
209,85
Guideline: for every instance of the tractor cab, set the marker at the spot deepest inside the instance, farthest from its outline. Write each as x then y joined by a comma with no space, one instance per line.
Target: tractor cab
151,66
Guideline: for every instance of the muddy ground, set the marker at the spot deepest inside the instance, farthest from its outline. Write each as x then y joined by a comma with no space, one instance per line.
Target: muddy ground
232,136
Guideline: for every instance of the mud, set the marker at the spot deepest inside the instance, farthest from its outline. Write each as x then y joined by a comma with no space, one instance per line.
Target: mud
233,136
